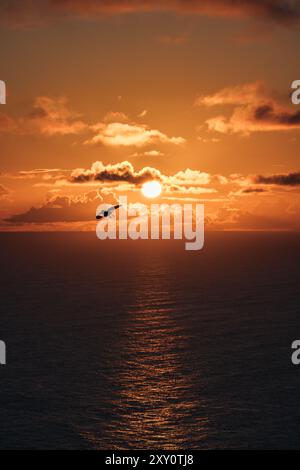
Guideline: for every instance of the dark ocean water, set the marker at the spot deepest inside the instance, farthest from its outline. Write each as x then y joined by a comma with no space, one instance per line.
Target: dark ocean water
142,345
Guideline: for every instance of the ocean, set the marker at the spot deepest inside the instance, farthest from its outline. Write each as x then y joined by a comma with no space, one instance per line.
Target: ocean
142,345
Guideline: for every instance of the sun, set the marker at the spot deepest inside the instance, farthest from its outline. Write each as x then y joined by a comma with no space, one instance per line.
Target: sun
151,189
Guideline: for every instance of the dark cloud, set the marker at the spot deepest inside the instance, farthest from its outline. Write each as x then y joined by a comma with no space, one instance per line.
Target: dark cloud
48,117
253,190
111,179
33,11
289,179
256,109
120,172
60,209
267,113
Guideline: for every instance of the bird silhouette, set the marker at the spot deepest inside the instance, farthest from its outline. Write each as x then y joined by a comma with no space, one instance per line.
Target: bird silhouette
107,213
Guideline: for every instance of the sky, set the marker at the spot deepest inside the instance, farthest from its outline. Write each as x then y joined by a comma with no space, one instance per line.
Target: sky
105,95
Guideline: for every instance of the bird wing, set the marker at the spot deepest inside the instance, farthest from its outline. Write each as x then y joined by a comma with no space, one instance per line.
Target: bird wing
113,208
109,211
100,215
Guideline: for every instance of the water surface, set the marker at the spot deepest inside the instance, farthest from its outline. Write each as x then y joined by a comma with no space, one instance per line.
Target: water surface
140,345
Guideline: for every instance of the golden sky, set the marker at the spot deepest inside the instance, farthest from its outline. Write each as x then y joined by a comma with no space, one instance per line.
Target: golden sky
105,95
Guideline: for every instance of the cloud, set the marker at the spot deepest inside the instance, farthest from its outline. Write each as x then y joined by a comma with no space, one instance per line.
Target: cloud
5,193
153,153
188,190
190,182
247,191
253,190
148,153
143,113
52,117
246,220
61,209
119,172
39,173
7,124
271,208
114,116
124,172
289,179
236,95
189,176
273,215
47,117
122,175
206,140
30,12
256,109
116,134
184,182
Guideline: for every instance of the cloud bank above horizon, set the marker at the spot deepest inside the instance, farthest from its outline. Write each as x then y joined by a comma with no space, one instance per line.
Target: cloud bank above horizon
30,12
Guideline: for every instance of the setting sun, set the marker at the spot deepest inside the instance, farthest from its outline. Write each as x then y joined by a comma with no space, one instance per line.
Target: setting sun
151,189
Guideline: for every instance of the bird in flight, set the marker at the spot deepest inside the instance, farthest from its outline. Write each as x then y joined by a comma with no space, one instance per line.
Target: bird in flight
107,212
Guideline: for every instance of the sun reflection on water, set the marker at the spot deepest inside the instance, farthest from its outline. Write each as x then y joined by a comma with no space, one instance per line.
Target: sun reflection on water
156,401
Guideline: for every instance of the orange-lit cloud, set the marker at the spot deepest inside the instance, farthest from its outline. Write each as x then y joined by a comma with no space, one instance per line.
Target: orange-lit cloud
48,117
255,110
39,173
148,153
7,124
117,134
227,219
242,202
173,189
60,209
115,116
236,95
52,117
4,192
189,176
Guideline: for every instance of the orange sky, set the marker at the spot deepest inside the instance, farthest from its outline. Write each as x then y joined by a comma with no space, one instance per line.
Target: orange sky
102,96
